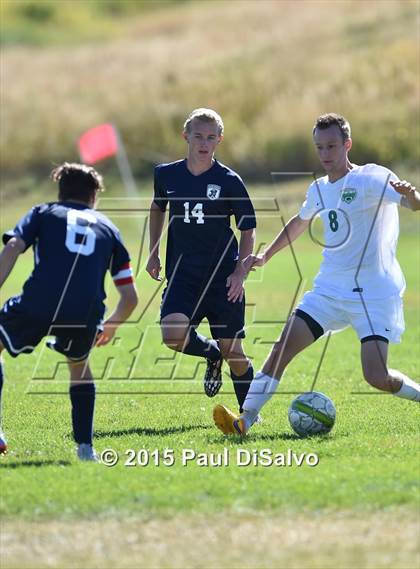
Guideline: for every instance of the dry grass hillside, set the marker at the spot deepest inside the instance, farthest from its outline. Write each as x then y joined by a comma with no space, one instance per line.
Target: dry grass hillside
269,67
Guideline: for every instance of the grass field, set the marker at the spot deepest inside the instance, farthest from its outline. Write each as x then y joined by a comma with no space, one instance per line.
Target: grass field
359,507
270,67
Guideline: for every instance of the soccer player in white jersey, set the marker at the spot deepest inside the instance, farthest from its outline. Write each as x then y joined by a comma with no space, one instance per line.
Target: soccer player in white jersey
360,282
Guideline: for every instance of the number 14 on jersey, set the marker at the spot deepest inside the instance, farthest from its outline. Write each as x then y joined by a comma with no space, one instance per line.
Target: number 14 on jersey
196,212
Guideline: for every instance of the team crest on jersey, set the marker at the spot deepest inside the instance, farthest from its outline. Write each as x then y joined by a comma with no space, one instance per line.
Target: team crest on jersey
348,195
213,191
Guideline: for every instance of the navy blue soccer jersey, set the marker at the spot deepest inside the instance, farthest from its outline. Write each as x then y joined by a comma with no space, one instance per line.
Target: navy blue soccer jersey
73,246
200,207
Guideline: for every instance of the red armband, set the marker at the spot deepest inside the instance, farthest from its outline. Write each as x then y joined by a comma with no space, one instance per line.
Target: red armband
124,275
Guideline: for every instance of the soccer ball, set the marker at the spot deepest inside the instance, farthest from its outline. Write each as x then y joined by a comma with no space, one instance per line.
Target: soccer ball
312,413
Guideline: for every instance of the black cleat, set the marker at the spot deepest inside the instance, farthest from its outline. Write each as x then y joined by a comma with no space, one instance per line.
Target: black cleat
213,377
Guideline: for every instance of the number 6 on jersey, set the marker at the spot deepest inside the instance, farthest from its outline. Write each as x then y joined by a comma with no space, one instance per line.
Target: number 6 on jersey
80,238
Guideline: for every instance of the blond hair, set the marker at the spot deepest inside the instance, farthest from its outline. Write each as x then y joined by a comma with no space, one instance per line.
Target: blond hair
205,115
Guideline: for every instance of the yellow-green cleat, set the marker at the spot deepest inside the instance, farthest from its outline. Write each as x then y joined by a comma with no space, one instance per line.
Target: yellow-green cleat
228,422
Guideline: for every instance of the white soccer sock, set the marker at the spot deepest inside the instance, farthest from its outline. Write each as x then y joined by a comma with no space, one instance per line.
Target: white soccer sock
260,391
409,389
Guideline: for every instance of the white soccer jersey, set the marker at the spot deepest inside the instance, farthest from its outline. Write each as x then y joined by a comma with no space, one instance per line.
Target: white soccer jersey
360,219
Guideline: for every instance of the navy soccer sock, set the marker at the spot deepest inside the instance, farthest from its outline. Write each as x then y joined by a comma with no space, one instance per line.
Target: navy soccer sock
82,396
241,385
199,345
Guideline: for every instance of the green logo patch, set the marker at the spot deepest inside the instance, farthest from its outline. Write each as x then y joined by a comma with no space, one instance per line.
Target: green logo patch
348,195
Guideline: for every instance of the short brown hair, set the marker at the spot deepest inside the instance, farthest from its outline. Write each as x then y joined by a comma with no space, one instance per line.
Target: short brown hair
205,115
77,181
330,119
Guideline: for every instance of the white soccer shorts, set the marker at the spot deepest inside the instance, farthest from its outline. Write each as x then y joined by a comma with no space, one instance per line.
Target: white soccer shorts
384,317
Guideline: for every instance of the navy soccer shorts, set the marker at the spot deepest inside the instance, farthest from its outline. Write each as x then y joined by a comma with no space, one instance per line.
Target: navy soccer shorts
21,332
226,319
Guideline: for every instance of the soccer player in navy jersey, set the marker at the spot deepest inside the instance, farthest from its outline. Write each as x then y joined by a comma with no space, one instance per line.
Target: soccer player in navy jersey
203,261
74,246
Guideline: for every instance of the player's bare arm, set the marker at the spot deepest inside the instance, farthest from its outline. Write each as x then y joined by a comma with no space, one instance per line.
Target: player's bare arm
8,257
410,197
156,220
294,227
235,281
127,303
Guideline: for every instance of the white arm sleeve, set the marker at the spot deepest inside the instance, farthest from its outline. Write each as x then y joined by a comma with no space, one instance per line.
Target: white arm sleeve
378,185
311,204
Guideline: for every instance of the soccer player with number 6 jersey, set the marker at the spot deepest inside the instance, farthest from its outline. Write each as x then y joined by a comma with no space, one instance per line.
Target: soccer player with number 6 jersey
74,246
360,282
203,260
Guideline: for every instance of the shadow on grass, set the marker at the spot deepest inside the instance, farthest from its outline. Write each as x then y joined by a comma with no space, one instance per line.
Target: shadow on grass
150,431
237,439
35,463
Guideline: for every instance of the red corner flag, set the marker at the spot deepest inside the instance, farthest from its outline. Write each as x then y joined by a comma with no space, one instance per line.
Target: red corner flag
98,143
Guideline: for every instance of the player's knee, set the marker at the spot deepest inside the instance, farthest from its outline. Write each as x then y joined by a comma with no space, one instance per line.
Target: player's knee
376,378
174,339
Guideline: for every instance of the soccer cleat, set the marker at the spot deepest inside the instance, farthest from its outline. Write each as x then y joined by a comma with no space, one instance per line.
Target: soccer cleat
3,443
213,377
228,422
87,453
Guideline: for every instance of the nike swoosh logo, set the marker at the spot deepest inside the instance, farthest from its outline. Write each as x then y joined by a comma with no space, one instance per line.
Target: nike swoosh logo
170,192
